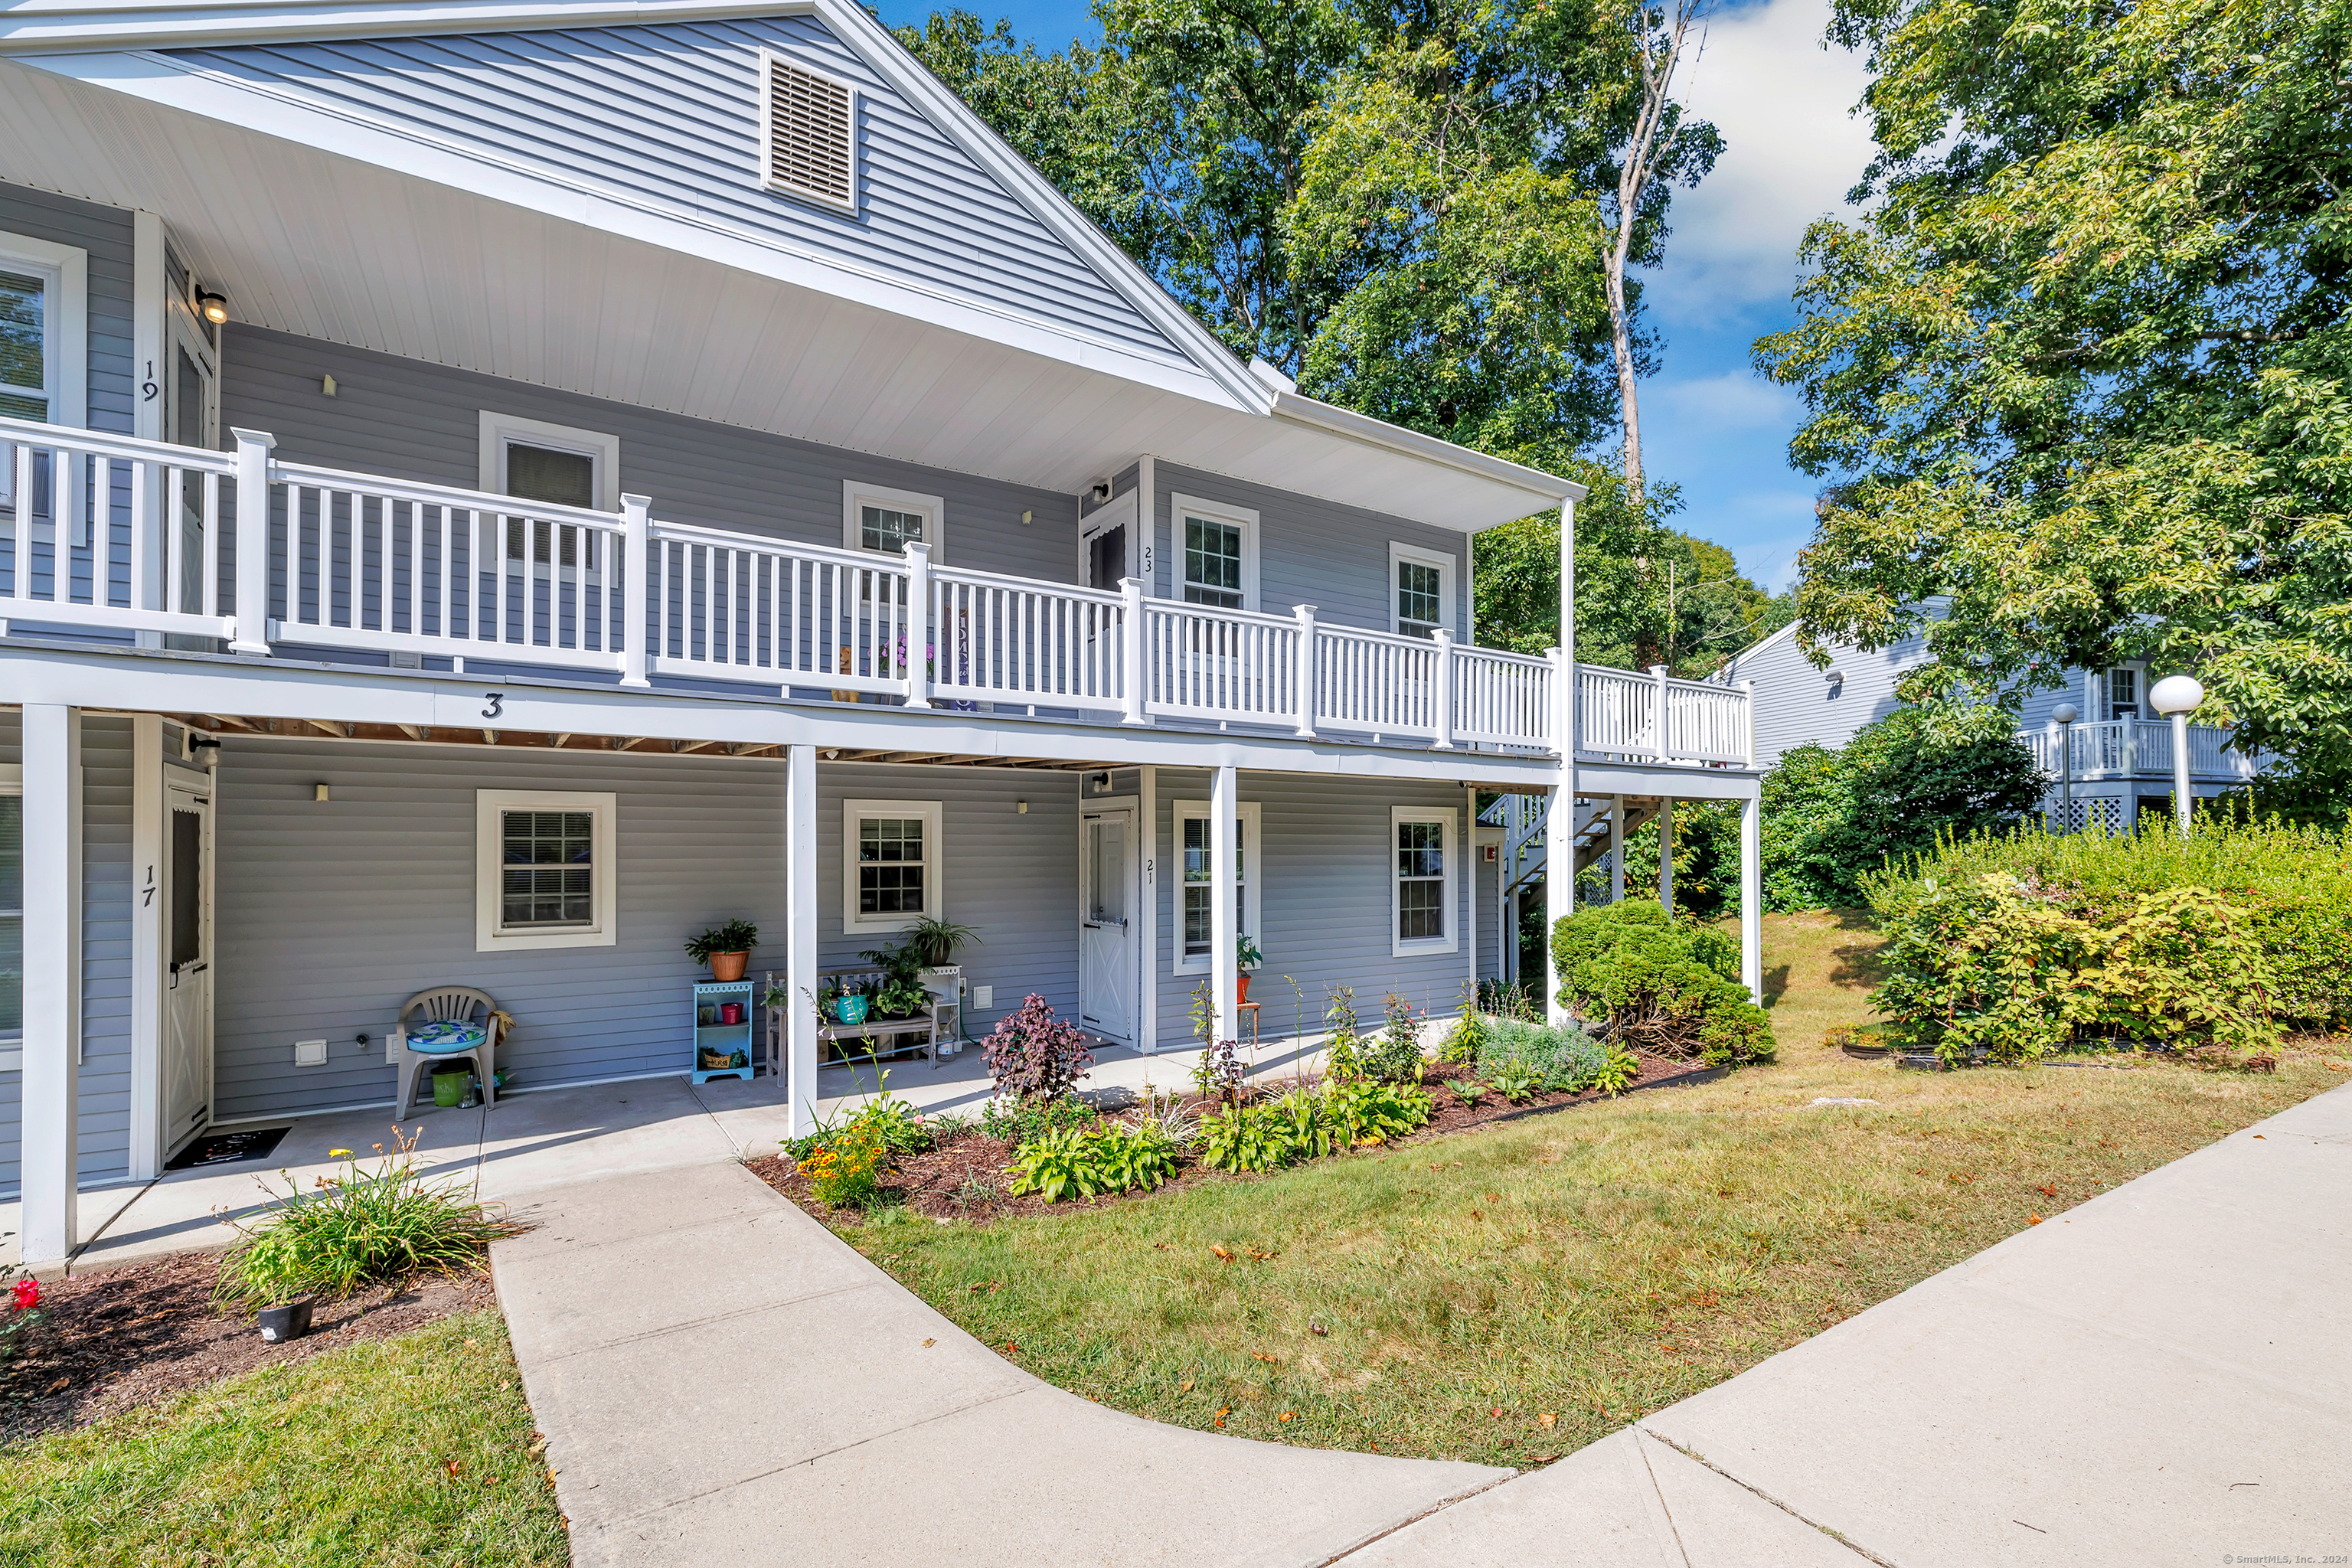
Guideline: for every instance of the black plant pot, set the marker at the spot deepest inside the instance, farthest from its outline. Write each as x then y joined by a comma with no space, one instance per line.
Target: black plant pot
290,1321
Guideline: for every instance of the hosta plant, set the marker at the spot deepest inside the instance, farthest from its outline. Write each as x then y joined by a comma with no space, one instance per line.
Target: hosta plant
1618,1072
1069,1164
1373,1113
1246,1138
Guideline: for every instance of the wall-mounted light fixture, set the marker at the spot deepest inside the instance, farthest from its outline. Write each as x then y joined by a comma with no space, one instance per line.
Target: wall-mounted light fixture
327,384
1022,806
212,306
1027,518
1101,491
319,792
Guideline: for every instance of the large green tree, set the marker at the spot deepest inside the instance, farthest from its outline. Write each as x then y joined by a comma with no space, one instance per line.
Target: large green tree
2085,367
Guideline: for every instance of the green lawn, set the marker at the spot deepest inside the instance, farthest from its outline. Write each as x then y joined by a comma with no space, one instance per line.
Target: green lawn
1585,1267
410,1450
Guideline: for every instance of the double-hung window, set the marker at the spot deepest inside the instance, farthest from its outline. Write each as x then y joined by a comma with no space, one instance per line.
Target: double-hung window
44,347
1217,546
887,520
544,870
1421,880
1420,590
893,865
2122,692
12,916
1194,926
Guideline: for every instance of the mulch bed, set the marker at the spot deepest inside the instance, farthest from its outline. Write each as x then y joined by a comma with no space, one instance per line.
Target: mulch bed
964,1178
129,1336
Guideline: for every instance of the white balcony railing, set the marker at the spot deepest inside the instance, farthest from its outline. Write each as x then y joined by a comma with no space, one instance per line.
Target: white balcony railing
2129,748
111,531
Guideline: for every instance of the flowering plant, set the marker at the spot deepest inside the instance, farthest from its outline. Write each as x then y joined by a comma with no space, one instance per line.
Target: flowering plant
24,1299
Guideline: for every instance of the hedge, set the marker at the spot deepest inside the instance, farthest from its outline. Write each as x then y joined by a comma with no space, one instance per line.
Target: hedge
1666,985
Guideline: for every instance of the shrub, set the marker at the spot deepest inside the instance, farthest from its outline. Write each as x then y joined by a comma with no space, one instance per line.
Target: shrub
1538,1057
357,1226
1393,1054
1662,984
2289,887
1034,1055
1373,1113
1467,1036
1246,1138
2028,942
1832,816
1067,1163
845,1169
1017,1121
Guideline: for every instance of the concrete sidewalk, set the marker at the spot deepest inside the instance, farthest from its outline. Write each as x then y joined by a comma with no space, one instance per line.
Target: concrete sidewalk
723,1381
2161,1376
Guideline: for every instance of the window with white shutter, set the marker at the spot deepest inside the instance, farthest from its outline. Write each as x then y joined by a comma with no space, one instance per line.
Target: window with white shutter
809,133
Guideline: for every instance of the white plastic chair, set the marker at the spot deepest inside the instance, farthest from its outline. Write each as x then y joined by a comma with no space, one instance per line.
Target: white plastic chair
448,1003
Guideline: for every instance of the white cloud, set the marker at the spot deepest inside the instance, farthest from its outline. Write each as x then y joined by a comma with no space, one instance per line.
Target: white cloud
1736,400
1791,151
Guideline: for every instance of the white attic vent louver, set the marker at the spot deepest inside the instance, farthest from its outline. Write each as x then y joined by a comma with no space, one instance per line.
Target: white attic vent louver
809,133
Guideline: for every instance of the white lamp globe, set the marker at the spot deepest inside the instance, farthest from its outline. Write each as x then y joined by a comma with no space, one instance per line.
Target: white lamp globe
2066,713
2176,694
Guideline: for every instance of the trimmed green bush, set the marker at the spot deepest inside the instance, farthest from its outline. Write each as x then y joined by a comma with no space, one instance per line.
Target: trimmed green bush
1659,983
2028,943
1520,1058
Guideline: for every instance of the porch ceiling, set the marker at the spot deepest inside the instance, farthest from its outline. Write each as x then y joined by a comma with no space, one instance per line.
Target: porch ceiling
220,724
321,226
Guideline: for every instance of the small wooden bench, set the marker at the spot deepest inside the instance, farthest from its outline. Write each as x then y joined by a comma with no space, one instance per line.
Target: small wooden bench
871,1034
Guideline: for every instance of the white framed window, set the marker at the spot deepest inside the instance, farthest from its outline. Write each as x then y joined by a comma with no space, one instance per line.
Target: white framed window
1421,881
544,869
1216,553
1194,912
44,330
557,463
877,517
893,865
12,917
808,134
2123,693
1420,590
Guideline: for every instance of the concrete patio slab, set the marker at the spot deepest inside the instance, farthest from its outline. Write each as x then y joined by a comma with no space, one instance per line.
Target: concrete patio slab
563,1137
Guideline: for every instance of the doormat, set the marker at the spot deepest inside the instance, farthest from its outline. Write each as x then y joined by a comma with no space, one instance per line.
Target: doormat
228,1148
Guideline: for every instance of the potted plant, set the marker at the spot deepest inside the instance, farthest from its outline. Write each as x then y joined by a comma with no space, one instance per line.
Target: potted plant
1247,957
727,948
934,942
841,1003
900,993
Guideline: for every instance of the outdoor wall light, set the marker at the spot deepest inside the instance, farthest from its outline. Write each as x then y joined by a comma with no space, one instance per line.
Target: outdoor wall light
212,307
319,792
1022,806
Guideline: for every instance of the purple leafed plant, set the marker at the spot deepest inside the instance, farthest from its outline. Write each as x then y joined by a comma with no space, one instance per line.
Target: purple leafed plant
1034,1055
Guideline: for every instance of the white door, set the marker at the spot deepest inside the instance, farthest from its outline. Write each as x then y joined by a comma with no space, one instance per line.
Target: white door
187,925
1110,982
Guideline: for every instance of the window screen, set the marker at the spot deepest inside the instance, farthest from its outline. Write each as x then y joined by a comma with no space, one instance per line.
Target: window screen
188,913
1420,881
888,529
547,868
12,917
1197,890
2123,694
1212,563
543,473
24,346
1420,598
890,866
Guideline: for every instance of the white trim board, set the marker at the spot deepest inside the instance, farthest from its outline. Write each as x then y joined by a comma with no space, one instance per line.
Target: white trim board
1253,888
65,339
932,815
605,929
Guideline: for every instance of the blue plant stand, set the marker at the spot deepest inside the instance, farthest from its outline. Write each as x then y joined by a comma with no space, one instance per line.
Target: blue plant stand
730,1040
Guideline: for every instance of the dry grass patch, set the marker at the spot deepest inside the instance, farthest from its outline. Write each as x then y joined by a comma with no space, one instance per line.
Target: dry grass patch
1511,1294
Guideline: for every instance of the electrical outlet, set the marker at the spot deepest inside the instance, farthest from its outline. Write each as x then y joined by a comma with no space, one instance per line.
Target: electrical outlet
983,997
393,1038
309,1053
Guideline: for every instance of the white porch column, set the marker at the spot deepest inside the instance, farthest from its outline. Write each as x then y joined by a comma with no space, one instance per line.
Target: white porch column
1616,849
636,564
1751,896
1559,824
52,1078
800,938
1147,811
1224,968
252,448
1666,853
1471,859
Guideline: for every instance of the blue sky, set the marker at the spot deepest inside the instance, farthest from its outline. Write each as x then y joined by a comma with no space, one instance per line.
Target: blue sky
1709,423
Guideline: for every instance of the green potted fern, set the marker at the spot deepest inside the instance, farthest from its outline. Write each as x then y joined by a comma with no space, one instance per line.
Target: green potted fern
726,948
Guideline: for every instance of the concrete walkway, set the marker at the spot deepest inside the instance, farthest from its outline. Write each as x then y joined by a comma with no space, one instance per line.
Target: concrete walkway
2161,1376
723,1381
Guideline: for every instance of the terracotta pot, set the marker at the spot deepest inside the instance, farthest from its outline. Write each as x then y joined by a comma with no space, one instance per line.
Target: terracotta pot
1244,989
728,965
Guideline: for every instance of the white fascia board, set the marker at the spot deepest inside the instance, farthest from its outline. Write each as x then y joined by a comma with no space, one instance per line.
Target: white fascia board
149,682
49,26
1542,489
1672,783
178,85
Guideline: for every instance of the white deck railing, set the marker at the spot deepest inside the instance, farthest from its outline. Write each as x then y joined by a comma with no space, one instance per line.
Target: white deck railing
108,531
2125,748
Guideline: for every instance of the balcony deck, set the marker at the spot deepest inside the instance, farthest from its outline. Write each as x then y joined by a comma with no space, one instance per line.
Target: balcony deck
428,577
2139,748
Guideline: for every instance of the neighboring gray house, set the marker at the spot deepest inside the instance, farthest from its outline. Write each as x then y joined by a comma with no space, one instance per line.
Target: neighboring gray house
487,491
2122,751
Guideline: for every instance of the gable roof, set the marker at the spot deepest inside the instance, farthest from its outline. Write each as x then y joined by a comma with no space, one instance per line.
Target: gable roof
302,73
